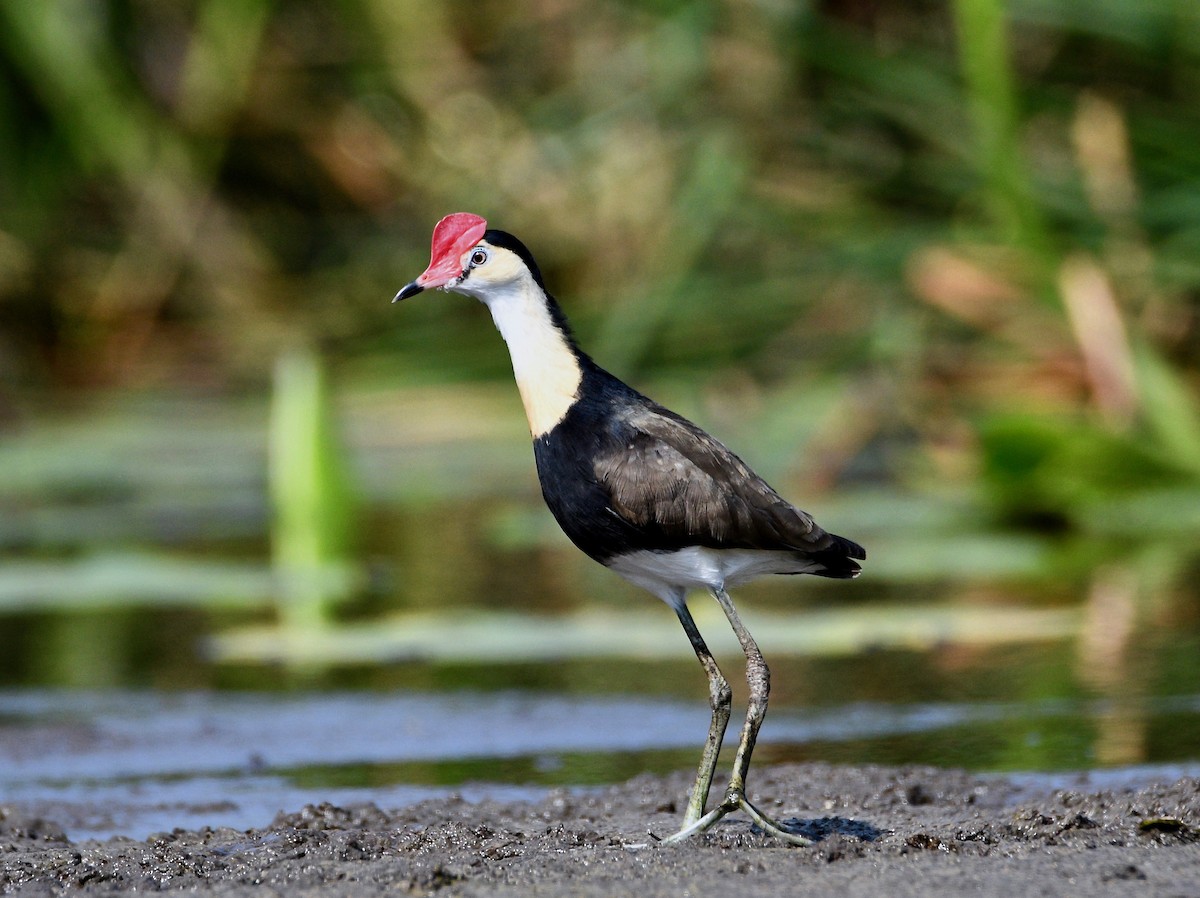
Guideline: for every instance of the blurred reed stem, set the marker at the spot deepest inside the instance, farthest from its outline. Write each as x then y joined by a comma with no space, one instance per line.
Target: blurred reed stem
991,95
310,494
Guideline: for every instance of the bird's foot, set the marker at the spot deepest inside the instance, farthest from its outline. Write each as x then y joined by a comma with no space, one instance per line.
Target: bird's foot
772,827
734,800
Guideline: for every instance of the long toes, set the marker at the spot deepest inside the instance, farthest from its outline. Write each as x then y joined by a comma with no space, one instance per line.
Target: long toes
734,800
769,826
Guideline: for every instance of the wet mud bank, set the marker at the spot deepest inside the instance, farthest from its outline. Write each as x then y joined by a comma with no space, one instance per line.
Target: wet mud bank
875,831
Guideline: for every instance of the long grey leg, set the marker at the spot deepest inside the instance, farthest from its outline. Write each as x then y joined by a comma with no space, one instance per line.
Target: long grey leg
758,677
720,698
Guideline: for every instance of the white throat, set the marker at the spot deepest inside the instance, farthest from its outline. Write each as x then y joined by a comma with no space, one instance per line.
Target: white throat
544,364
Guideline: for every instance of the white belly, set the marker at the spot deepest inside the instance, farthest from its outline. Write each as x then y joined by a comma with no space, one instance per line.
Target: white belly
670,574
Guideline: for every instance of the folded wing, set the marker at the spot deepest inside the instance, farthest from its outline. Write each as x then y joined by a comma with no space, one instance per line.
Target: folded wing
671,478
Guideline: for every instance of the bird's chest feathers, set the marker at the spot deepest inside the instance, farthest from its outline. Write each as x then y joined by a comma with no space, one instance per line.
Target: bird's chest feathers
544,363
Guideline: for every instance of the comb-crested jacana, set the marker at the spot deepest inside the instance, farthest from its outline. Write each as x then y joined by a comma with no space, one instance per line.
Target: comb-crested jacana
643,491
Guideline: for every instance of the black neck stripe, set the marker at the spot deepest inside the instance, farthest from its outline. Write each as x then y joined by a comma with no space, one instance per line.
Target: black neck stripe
507,241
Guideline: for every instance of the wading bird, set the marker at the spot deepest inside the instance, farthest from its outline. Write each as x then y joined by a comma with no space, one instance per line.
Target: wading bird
638,488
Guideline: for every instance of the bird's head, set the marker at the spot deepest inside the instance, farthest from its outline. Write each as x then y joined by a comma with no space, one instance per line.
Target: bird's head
468,258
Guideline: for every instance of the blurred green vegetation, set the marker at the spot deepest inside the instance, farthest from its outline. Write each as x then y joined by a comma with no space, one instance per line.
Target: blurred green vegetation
954,214
933,268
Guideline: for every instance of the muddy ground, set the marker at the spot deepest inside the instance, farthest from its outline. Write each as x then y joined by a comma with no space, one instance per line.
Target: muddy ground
877,831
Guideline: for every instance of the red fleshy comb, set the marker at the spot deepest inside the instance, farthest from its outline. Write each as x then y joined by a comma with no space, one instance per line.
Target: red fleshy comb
453,236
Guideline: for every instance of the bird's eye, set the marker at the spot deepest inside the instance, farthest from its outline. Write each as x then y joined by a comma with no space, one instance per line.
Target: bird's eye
479,257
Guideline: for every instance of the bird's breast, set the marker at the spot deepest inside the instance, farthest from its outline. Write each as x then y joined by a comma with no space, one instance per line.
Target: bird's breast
579,503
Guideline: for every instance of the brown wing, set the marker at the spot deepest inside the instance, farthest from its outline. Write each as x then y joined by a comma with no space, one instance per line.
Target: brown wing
672,478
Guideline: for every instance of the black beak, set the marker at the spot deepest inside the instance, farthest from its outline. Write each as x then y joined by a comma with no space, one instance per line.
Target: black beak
411,290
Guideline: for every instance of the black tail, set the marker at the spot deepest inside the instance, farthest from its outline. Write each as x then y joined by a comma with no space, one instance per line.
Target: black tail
839,559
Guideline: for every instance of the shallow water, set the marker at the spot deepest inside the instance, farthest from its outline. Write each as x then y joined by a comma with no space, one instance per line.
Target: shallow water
133,763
